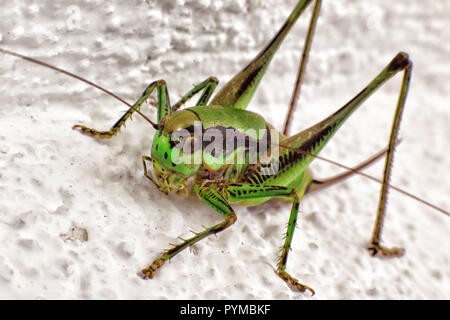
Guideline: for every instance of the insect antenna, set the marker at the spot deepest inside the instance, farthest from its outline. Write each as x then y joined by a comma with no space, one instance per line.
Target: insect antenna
359,172
18,55
155,126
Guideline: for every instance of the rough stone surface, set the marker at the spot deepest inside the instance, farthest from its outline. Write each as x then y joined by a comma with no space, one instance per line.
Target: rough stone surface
53,178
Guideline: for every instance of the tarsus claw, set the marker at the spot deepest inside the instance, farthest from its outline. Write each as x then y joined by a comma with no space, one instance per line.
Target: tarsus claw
150,270
376,249
294,282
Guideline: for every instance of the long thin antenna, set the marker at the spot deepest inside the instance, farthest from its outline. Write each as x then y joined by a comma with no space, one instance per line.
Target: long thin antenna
18,55
367,176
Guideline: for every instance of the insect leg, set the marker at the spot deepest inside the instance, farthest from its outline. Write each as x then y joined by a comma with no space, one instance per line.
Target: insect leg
314,138
216,201
209,85
302,67
375,247
281,267
146,174
238,92
163,103
238,192
319,184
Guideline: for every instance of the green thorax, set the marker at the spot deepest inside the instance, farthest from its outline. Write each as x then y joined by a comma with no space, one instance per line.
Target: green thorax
232,139
217,138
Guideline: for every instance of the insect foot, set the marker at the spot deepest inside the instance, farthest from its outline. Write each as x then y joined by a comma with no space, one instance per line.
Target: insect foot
150,270
294,282
92,132
378,250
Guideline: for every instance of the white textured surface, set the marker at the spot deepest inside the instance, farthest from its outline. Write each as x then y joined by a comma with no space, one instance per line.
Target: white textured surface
53,179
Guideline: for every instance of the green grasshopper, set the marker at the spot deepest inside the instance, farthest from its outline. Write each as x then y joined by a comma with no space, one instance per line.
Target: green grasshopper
222,173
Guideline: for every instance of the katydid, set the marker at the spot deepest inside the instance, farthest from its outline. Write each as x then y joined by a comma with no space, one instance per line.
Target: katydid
218,179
